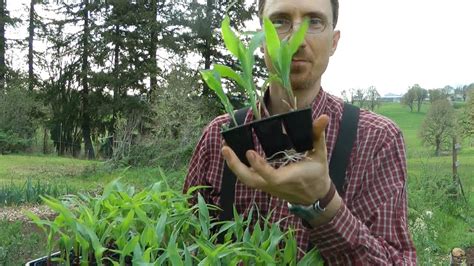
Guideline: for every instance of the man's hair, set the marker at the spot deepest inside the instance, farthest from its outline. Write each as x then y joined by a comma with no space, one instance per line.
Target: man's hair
334,4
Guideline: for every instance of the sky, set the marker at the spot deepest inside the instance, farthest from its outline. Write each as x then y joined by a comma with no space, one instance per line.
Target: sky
395,44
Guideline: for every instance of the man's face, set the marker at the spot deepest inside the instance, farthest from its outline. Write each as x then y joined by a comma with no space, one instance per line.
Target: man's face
312,59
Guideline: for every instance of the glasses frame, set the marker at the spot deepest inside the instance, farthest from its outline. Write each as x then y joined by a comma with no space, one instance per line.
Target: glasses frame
292,27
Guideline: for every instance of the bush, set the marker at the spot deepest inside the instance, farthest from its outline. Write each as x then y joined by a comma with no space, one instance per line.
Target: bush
12,143
18,118
175,124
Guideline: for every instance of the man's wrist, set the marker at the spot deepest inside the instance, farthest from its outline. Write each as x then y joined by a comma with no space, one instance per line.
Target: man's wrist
331,210
320,211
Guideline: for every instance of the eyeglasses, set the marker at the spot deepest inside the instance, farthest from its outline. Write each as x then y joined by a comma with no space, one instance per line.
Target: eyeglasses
284,26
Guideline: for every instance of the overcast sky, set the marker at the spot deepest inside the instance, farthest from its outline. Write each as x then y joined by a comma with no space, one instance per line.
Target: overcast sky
395,44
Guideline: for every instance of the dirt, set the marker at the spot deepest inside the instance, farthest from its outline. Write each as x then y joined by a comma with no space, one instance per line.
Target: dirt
17,213
470,256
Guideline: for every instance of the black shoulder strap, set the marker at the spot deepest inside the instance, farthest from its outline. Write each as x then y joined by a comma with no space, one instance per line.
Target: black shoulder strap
228,179
345,141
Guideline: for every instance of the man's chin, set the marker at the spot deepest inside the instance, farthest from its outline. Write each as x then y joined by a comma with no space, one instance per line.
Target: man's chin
300,81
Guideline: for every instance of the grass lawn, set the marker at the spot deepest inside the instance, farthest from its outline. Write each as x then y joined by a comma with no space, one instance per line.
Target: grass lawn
80,175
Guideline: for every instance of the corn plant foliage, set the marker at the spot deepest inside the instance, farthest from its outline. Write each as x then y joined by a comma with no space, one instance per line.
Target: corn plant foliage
157,226
242,77
280,52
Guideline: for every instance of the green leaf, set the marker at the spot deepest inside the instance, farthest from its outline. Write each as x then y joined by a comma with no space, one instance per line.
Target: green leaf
172,251
127,221
37,220
230,39
256,41
256,234
148,236
272,41
96,245
298,37
285,59
56,205
110,187
228,72
130,246
213,80
290,251
262,254
160,227
146,257
203,216
311,258
188,261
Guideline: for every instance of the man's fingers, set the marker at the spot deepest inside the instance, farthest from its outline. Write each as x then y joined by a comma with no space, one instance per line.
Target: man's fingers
319,126
319,139
243,173
261,167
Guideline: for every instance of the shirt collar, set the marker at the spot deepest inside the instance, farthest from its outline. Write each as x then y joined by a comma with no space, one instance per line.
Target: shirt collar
319,104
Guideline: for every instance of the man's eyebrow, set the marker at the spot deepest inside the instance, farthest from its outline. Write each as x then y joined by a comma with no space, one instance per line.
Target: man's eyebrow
317,14
279,14
310,14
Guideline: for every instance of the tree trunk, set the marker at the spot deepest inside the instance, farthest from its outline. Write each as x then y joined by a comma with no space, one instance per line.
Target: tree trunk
152,50
208,39
3,67
31,35
438,148
117,95
455,160
45,141
86,130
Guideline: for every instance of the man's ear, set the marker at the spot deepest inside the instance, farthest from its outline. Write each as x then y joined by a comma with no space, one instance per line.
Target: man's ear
335,40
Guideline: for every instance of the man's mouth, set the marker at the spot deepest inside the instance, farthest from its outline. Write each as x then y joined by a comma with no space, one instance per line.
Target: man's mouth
298,60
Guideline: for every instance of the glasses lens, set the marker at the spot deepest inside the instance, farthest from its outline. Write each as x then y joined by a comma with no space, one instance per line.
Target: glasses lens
282,25
316,25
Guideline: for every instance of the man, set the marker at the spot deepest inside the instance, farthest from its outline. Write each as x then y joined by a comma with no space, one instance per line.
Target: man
367,223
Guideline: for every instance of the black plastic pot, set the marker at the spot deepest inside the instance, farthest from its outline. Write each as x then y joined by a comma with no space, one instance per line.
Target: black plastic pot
43,261
46,261
240,140
298,125
270,135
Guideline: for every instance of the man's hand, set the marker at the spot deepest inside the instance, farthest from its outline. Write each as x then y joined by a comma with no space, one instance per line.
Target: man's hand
302,182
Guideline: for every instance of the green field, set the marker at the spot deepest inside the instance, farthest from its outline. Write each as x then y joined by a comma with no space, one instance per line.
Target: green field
81,175
439,218
430,190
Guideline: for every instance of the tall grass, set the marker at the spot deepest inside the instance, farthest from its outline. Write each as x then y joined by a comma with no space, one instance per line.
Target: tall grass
30,192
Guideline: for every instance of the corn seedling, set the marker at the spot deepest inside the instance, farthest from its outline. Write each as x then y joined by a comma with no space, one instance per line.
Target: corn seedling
281,54
157,226
243,78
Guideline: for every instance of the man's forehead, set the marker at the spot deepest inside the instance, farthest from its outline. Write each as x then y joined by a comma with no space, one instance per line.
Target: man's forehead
280,6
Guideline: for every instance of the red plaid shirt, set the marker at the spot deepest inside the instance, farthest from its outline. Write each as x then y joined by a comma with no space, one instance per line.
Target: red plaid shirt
371,226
